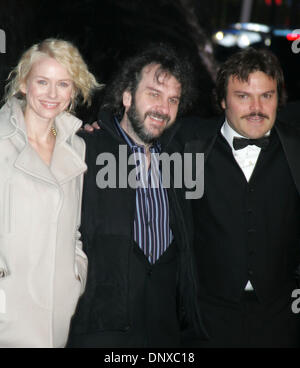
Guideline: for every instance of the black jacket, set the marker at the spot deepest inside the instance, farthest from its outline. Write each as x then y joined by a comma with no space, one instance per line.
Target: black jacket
128,302
197,135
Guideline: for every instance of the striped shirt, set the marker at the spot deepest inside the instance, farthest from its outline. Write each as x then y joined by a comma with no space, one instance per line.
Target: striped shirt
152,230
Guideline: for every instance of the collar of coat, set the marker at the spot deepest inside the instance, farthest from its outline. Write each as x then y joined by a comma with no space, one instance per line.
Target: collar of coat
12,121
66,163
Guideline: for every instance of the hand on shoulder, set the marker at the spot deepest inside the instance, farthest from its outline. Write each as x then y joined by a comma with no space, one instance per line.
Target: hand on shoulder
91,127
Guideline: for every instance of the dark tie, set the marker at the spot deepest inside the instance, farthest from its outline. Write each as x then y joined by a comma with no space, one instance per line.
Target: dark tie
239,143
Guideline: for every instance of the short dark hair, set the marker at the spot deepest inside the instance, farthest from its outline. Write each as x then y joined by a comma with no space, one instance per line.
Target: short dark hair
130,74
245,62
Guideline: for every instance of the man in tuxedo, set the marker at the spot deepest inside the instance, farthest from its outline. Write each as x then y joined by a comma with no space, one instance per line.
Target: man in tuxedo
247,224
141,285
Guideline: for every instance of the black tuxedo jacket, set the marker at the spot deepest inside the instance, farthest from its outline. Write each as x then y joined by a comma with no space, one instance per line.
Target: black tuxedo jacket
196,135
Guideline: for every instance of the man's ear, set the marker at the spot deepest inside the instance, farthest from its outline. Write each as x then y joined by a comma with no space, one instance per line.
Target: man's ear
127,99
223,104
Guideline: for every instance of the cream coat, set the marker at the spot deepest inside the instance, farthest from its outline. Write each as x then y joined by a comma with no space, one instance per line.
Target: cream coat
41,257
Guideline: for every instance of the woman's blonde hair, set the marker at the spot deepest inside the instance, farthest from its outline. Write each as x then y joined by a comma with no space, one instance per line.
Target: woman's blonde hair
66,54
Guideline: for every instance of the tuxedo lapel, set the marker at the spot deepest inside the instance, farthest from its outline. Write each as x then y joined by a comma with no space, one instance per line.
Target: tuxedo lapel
207,133
290,140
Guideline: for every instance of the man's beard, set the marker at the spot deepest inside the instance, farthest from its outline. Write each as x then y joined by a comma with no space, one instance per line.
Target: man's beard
138,126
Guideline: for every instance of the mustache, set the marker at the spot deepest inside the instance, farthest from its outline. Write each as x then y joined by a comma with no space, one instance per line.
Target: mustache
255,114
158,115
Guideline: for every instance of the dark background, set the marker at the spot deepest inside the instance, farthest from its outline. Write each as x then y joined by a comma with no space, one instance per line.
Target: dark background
107,31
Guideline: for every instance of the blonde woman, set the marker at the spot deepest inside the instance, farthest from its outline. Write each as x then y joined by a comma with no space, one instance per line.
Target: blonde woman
42,265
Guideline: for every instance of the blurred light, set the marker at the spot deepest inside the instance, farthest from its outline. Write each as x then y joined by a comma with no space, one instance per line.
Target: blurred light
293,36
232,38
228,40
219,36
277,2
255,27
248,38
282,32
243,41
268,42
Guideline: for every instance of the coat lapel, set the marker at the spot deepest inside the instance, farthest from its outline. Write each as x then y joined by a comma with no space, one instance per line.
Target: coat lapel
290,140
66,164
207,134
30,162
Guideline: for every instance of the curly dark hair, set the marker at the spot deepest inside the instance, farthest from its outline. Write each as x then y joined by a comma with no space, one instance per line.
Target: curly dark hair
242,64
130,74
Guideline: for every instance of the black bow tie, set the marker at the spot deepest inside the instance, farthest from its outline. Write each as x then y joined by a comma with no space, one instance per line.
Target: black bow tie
239,143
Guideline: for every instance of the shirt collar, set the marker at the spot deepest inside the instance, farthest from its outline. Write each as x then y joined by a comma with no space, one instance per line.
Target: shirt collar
229,133
156,147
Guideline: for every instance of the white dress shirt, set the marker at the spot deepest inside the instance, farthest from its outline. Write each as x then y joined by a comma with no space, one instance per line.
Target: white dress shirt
245,157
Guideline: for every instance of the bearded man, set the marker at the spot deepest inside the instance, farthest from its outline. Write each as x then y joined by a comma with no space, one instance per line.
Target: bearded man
141,286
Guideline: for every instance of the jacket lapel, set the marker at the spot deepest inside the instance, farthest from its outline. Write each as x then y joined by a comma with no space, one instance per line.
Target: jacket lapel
290,140
29,162
66,164
207,134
